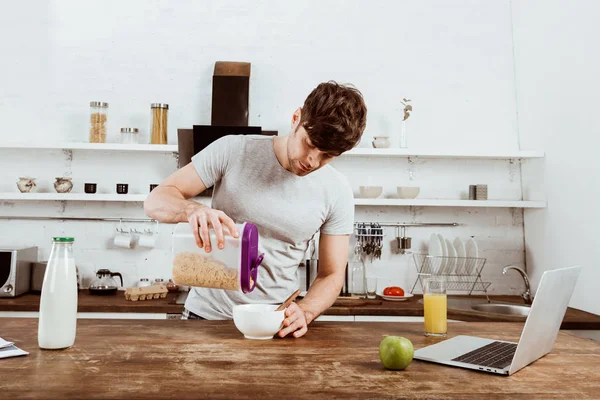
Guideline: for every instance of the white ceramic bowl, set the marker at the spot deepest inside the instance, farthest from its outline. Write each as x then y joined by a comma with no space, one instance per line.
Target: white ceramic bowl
408,192
258,321
370,192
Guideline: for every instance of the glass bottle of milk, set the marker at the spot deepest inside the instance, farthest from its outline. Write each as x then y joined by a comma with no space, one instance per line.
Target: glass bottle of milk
58,303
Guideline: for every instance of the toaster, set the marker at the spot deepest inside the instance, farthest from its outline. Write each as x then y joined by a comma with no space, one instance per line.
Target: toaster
15,270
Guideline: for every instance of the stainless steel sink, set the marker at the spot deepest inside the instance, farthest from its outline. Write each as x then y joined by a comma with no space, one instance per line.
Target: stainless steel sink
505,309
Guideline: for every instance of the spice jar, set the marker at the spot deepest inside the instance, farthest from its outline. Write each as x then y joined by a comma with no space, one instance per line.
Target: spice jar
98,117
235,267
158,125
129,135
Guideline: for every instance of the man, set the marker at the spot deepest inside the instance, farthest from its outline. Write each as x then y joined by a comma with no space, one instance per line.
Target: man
284,186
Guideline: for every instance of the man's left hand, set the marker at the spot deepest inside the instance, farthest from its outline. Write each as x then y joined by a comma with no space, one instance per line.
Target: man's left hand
295,321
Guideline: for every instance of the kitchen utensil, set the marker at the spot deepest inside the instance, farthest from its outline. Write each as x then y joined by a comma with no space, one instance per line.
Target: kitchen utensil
258,321
147,240
481,192
15,270
435,250
451,260
395,298
235,267
63,184
472,192
123,240
404,242
90,188
172,286
461,253
288,301
443,261
370,192
371,287
105,283
26,185
408,192
122,188
381,142
472,251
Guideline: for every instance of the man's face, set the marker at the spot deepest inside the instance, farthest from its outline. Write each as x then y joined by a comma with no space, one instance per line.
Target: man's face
303,156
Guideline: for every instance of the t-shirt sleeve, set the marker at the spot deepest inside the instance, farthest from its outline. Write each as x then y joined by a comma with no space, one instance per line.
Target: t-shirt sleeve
340,220
214,161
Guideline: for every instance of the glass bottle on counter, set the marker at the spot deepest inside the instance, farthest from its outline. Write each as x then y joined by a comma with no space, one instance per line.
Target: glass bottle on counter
98,118
158,124
58,303
358,275
129,135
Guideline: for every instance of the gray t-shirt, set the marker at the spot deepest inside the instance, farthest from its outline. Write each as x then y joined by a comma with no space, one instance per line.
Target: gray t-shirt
250,185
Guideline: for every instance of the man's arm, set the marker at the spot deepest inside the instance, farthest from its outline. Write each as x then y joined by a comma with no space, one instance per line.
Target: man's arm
333,256
169,203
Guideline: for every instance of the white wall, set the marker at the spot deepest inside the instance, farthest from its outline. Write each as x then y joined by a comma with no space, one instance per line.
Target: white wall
557,63
452,58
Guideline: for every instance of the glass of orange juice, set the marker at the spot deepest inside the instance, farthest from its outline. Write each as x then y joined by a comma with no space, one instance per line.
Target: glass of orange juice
435,306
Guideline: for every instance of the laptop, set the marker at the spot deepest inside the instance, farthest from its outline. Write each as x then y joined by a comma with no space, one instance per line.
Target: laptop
537,339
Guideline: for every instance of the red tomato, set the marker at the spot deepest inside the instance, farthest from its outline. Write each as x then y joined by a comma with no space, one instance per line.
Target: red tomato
393,291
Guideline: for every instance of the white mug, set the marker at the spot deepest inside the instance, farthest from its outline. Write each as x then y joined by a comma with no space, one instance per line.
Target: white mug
123,240
147,241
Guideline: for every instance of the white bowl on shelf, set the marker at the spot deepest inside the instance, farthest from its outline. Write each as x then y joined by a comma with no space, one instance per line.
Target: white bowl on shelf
408,192
370,192
258,321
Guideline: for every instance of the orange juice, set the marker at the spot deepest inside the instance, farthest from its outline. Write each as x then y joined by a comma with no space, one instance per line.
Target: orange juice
435,305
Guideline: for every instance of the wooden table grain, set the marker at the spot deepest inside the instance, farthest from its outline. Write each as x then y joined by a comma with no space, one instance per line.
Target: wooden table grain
156,359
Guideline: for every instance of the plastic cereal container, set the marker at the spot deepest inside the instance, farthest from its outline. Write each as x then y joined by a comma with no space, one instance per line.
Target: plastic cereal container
235,267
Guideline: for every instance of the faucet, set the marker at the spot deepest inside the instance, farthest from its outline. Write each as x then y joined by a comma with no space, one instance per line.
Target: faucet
527,293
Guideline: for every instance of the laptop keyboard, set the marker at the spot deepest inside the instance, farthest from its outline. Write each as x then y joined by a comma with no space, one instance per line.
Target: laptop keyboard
494,355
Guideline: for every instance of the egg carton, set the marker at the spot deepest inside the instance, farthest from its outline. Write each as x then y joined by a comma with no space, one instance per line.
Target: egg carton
146,293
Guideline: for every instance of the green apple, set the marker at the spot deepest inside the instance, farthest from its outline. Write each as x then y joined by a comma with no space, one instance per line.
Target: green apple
396,352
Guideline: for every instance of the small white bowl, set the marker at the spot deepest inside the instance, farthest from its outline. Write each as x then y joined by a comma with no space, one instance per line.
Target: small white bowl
258,321
370,192
408,192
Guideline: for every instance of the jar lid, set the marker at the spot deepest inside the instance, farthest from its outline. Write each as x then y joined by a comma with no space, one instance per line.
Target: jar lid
129,130
159,105
100,104
251,260
63,239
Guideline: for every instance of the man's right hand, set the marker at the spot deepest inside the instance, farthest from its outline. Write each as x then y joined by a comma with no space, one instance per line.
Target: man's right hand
201,218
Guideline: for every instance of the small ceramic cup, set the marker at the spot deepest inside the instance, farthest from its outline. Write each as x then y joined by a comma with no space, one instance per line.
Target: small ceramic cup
122,188
90,188
123,240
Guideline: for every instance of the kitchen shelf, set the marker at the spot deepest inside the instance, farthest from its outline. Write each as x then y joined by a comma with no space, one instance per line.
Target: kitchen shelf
450,203
397,152
73,197
85,197
157,148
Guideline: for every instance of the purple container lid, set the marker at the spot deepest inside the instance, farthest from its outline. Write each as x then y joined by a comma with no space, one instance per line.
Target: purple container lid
251,260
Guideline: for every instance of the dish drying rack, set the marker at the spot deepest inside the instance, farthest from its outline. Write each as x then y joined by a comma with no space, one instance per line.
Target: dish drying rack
462,274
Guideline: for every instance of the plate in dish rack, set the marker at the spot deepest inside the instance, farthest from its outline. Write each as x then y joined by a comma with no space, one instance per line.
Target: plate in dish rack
395,298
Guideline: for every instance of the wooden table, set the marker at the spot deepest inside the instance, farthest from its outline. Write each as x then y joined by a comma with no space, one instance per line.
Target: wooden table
151,359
